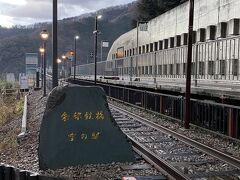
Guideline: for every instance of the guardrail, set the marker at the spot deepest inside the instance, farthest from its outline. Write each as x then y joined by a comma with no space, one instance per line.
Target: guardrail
24,119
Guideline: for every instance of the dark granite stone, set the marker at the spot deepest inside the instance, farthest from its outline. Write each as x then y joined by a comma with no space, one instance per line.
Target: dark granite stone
78,128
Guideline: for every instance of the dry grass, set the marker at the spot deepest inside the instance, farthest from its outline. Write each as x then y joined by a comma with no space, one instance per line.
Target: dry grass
8,141
10,109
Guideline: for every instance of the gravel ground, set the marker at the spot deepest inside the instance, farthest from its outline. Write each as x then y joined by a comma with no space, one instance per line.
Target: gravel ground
228,146
25,155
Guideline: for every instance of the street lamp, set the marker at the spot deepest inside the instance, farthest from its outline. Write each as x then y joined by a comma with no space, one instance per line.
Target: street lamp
59,61
64,58
95,32
44,36
41,50
75,56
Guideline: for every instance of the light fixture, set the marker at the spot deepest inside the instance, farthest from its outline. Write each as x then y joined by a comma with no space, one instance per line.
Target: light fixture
44,35
41,50
64,57
59,60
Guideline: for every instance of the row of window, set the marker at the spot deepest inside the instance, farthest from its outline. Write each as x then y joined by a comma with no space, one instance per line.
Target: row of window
201,36
168,69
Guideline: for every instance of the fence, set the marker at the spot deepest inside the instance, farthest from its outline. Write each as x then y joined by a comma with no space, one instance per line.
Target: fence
218,117
11,173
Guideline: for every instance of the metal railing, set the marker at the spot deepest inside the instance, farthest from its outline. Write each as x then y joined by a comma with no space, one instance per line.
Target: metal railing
219,117
215,59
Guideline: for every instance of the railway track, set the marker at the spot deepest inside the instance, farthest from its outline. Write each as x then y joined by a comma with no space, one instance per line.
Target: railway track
174,154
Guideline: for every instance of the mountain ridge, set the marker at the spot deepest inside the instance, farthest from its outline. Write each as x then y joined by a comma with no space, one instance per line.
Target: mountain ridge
18,40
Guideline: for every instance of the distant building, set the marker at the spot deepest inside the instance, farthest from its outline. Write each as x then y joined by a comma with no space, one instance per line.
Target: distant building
10,77
23,81
31,62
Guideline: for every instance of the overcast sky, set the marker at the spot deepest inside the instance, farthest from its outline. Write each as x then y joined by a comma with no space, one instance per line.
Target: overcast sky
24,12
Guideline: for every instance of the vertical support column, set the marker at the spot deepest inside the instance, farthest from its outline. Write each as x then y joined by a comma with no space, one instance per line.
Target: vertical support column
196,65
161,105
131,69
230,123
95,51
54,47
145,100
37,79
188,81
137,73
155,103
44,69
155,68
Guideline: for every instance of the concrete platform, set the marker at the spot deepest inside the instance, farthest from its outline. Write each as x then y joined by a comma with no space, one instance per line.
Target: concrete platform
216,88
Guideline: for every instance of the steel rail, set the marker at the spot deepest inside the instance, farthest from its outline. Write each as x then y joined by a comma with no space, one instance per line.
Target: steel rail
157,162
202,147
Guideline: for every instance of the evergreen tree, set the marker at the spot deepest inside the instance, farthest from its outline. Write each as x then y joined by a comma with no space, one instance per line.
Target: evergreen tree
146,10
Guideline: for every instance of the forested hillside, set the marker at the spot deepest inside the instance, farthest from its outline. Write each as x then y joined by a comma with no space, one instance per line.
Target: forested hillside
17,41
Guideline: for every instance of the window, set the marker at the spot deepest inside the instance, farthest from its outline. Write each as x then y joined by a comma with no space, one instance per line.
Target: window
177,69
160,69
165,69
222,67
171,69
211,69
184,39
147,49
140,50
160,45
155,46
150,70
193,68
222,30
201,68
146,69
235,67
184,68
130,52
178,40
151,47
171,42
143,49
165,43
201,35
143,70
133,51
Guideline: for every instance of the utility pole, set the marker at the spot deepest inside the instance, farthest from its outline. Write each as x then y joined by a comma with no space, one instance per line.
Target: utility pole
95,50
75,57
95,32
54,47
44,69
189,60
